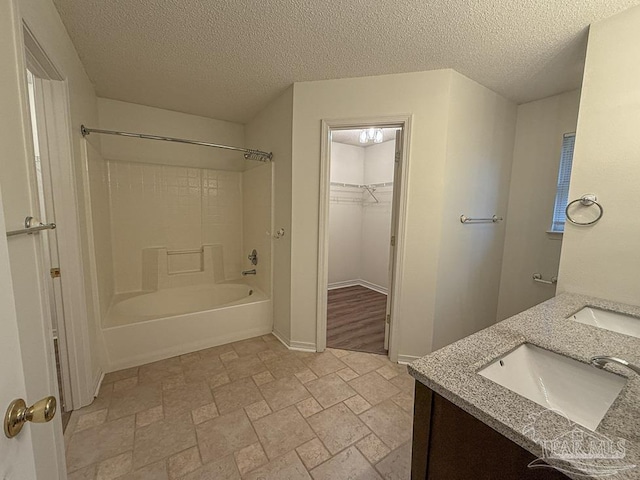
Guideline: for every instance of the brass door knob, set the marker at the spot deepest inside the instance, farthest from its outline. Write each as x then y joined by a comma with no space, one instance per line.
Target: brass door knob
18,414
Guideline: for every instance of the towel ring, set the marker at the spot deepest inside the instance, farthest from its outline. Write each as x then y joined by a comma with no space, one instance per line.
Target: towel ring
586,200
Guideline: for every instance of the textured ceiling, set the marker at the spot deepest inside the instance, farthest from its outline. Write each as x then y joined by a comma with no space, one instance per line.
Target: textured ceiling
352,137
227,59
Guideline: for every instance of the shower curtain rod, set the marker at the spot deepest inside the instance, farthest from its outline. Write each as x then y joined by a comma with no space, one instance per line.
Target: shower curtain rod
249,154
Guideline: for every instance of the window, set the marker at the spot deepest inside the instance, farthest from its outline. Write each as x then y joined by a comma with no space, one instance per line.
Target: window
564,175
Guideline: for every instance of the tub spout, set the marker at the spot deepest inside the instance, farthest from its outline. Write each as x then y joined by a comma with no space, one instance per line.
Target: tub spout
249,272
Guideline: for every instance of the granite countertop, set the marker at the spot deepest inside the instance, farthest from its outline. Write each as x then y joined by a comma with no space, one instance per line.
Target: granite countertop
452,373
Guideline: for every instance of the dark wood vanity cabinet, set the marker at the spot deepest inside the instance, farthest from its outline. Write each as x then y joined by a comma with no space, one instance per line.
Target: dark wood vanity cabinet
450,444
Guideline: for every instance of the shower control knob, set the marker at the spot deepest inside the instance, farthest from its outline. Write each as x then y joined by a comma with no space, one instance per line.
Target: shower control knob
253,256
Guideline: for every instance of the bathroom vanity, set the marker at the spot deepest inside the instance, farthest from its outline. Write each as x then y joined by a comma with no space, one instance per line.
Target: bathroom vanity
488,405
449,443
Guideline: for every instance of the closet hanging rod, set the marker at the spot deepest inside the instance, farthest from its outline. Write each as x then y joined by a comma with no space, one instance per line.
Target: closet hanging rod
249,154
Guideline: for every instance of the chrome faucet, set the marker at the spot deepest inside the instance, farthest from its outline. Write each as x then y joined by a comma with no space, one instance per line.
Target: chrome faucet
249,272
601,361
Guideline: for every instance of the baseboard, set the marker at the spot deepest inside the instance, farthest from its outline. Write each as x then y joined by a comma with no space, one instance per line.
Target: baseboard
358,282
98,384
346,283
302,346
283,339
292,344
406,359
373,286
89,394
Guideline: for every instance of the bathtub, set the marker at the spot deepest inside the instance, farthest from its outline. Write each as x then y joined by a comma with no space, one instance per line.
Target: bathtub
145,327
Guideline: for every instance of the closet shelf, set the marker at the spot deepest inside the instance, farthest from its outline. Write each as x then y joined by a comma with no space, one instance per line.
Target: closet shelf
364,186
369,187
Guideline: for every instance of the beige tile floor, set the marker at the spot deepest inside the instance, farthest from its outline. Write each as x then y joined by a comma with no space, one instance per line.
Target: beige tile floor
251,410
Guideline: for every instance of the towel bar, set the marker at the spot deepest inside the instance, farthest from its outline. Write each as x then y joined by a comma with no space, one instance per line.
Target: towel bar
30,228
494,219
537,277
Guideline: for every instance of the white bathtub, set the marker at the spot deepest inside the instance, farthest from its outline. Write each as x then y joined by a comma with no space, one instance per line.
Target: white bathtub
145,327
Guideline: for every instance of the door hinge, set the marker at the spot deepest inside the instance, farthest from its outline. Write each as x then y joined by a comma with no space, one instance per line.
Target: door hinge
55,272
388,318
393,240
397,157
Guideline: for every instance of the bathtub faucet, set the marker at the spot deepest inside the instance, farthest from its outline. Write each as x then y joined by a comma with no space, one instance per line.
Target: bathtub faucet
249,272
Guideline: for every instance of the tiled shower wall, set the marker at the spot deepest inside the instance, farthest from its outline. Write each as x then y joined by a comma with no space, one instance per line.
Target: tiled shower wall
179,208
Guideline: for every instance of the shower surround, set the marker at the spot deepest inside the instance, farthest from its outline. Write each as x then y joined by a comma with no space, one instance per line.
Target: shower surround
170,280
177,208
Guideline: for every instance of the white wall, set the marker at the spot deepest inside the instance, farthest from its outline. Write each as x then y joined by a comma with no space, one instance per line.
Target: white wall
256,218
426,96
175,207
481,127
130,117
271,130
380,162
376,217
603,260
470,172
376,235
345,219
345,240
347,163
528,248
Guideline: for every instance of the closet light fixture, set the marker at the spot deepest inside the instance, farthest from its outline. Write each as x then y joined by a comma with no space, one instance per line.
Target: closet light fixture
371,134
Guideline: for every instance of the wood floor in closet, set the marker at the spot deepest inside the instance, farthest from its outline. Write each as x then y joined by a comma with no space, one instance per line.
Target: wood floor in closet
355,319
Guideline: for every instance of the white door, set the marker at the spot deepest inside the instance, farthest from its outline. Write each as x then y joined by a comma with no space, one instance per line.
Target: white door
395,203
26,343
16,455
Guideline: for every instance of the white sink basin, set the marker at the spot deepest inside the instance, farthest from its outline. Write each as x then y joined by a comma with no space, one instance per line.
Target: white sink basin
616,322
581,392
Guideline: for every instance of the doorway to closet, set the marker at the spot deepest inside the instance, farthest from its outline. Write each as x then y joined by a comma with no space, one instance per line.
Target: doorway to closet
361,230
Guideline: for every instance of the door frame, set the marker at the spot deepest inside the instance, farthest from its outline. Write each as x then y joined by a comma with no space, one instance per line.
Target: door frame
58,129
403,121
53,293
